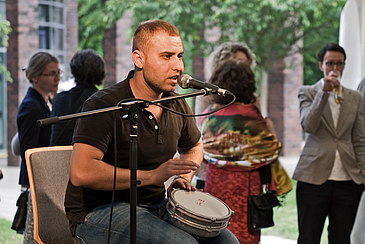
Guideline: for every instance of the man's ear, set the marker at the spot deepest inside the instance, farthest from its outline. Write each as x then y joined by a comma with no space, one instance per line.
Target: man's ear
138,58
320,65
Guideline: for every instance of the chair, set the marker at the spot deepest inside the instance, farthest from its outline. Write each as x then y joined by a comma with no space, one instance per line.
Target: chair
48,171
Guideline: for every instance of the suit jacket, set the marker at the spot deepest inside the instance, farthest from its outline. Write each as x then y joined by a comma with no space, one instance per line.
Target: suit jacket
361,88
318,155
32,108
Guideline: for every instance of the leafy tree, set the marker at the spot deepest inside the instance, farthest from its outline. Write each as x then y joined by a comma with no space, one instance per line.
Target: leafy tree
188,16
323,28
91,26
4,31
271,28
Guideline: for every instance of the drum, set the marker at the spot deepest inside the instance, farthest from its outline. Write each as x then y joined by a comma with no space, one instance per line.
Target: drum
198,213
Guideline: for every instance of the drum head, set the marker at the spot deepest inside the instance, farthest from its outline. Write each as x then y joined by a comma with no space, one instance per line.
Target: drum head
200,203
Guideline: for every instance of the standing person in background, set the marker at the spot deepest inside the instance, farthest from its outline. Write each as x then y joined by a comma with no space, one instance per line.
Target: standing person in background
88,69
230,135
331,167
226,51
43,73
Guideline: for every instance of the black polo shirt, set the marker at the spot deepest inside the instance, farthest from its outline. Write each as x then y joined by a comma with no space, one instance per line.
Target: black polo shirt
157,143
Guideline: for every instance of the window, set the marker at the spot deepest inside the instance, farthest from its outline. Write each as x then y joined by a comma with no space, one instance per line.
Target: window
52,29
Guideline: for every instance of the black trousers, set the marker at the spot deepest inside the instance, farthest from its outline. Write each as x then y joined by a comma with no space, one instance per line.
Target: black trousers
336,199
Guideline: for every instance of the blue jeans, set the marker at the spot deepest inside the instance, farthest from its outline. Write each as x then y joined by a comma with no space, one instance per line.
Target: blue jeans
152,227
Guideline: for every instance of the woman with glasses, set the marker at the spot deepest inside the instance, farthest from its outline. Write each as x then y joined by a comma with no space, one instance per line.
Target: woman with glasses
43,74
331,168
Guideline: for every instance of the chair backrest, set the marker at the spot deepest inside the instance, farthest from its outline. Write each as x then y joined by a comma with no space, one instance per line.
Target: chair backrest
49,172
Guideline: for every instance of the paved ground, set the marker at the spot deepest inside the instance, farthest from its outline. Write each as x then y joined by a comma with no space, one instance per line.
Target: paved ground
10,190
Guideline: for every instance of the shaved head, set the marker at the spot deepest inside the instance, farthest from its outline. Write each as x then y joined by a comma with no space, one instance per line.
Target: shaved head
146,30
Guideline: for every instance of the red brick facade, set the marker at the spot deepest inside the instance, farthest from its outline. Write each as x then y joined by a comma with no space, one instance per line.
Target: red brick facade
124,47
110,55
72,34
23,43
283,106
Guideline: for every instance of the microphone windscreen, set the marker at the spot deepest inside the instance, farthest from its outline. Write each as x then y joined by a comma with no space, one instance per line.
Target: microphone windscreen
183,81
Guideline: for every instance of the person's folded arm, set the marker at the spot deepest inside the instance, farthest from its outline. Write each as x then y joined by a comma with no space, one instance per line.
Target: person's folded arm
311,109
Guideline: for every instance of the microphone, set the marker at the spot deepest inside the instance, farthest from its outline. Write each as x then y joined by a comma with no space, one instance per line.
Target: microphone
186,81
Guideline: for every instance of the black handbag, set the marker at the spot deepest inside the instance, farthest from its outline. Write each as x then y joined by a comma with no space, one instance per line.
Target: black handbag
259,209
21,213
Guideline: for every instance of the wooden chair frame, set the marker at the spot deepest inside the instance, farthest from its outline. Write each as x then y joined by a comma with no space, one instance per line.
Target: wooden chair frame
28,157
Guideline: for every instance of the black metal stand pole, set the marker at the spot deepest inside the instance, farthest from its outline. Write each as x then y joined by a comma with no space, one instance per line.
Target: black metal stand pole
133,164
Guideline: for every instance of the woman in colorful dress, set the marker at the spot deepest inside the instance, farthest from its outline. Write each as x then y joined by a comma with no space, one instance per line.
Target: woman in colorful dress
239,145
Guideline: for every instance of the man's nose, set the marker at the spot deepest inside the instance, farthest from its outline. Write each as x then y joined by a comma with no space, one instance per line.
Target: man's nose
178,64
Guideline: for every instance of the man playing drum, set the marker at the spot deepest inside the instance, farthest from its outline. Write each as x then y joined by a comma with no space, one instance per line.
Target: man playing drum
157,56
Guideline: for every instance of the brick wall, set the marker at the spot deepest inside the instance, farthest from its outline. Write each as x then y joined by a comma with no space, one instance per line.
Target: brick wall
276,98
72,35
284,80
110,54
23,43
293,134
124,47
12,88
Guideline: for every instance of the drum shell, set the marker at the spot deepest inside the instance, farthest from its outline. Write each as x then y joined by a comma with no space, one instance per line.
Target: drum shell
195,224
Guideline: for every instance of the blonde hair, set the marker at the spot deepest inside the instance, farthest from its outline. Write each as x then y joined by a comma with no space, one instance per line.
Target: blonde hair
37,63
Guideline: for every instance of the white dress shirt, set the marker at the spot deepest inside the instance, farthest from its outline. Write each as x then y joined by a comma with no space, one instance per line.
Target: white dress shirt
338,172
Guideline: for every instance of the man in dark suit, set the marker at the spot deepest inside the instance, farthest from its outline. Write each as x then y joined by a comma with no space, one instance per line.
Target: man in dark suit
331,168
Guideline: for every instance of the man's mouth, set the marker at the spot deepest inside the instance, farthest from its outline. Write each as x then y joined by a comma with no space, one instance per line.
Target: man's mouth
175,77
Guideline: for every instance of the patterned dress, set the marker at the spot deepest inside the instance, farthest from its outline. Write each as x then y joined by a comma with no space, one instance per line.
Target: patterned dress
236,143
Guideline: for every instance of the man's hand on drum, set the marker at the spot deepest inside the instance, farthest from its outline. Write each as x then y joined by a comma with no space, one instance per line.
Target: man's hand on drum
176,166
182,183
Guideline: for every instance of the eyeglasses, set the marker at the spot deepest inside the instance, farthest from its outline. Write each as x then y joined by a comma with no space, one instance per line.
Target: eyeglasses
54,74
332,64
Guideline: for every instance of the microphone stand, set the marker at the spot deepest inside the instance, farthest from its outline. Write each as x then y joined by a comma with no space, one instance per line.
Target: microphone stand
133,108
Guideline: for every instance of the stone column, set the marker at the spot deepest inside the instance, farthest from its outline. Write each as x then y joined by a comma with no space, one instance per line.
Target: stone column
110,53
72,33
285,78
124,47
